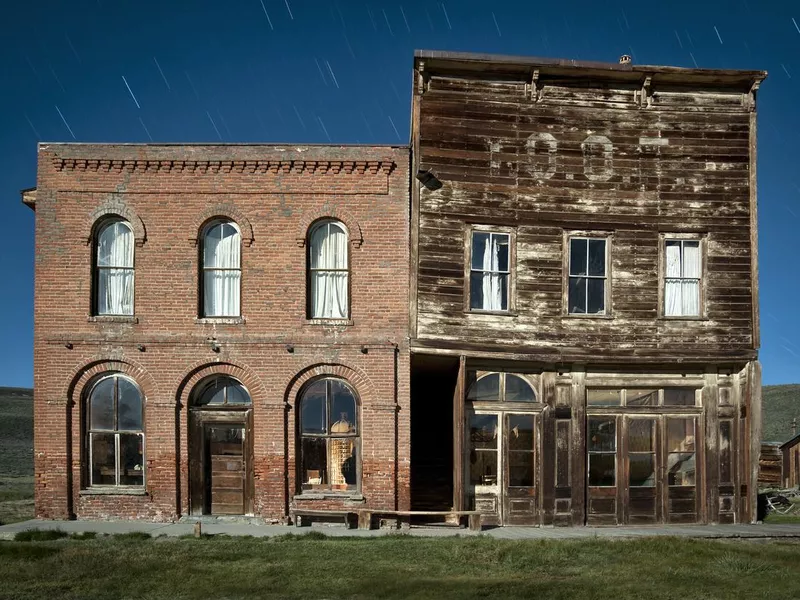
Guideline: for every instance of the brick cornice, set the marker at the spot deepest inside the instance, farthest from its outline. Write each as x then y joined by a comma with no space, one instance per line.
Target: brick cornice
362,167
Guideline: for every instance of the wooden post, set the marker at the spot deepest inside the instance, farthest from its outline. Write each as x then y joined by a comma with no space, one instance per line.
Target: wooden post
578,448
198,530
709,510
547,457
754,421
458,435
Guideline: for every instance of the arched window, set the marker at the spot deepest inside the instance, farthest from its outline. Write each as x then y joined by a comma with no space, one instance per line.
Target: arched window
222,391
114,268
503,387
222,273
328,436
328,271
114,432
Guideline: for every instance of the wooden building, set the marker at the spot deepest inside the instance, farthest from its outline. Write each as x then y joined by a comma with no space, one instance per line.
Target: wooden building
790,466
584,299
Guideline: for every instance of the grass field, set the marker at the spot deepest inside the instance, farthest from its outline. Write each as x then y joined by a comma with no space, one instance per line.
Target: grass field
16,454
397,567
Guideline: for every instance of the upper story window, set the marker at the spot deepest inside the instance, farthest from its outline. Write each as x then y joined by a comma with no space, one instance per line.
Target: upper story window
114,433
328,273
114,268
682,277
490,273
222,272
587,291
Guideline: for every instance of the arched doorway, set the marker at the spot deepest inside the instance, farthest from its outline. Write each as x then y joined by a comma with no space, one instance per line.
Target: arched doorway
220,448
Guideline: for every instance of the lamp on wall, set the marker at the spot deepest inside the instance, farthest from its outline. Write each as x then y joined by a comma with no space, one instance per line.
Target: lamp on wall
214,344
428,178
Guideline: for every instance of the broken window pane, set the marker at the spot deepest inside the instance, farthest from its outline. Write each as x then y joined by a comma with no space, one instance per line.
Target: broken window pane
602,469
103,459
518,390
641,398
603,397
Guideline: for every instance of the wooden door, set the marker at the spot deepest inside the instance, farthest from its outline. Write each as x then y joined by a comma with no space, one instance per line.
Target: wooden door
483,464
642,481
604,480
225,468
519,472
681,467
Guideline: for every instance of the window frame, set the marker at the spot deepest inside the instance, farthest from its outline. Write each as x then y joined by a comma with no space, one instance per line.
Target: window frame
86,437
606,236
533,381
207,382
99,226
663,238
327,436
309,297
472,228
659,407
201,263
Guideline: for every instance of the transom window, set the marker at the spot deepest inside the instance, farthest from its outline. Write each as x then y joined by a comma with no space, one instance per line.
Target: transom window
490,275
222,273
683,274
671,396
328,273
328,436
500,387
114,432
114,272
222,391
588,262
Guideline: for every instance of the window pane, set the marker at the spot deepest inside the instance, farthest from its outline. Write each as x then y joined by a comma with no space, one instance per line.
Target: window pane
343,408
342,463
602,469
602,435
518,390
103,459
502,282
603,397
681,469
641,435
672,251
679,397
129,406
221,246
520,469
642,470
691,259
597,257
328,246
486,389
690,298
312,408
101,405
221,293
476,290
115,245
577,256
483,467
642,398
501,244
114,291
314,463
131,459
596,300
680,435
212,393
483,431
481,254
577,295
520,432
329,295
236,392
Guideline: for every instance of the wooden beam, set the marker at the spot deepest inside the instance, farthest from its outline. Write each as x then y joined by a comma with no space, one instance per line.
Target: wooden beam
754,419
458,435
711,488
754,229
578,445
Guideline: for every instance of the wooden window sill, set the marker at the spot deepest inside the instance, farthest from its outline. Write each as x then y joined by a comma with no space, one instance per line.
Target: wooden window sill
113,319
496,313
220,321
586,316
681,318
331,322
114,491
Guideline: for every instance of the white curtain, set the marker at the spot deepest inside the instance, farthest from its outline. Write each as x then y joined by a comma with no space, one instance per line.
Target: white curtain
328,255
221,271
115,269
682,281
492,281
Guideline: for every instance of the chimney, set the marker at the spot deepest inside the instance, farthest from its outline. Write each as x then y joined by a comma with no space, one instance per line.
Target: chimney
625,59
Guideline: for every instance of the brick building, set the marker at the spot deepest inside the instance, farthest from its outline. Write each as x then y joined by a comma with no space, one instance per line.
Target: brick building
553,321
220,329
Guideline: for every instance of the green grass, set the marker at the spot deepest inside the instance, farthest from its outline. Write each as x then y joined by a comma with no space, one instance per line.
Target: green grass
781,404
397,567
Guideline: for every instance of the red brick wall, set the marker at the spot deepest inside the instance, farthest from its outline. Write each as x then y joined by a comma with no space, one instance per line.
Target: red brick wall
167,193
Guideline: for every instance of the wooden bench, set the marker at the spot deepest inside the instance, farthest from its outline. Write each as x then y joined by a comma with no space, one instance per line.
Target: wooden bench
364,517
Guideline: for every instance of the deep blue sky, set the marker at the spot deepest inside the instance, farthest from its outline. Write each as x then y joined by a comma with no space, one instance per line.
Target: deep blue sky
324,70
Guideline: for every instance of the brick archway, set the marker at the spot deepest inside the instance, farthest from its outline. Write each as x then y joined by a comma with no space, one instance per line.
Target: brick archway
329,211
203,370
81,375
229,211
362,384
115,208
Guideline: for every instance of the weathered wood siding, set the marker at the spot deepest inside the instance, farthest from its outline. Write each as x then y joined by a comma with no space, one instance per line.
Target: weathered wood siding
512,154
